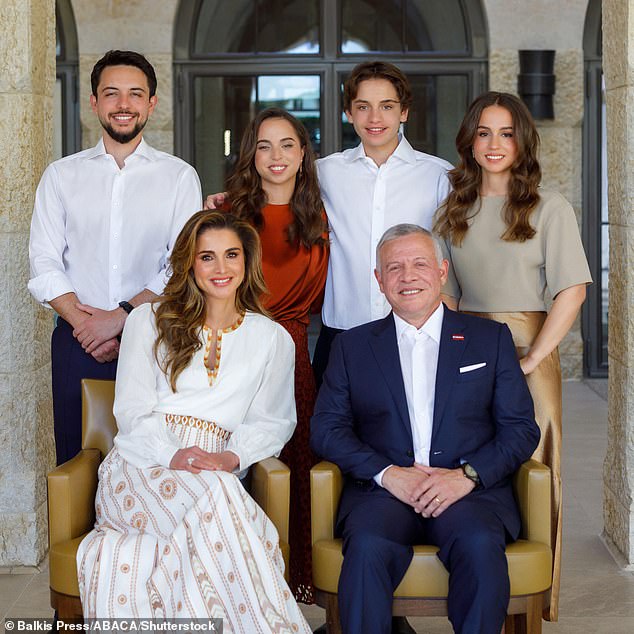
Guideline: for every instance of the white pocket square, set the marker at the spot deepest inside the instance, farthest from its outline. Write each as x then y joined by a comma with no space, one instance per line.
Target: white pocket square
471,368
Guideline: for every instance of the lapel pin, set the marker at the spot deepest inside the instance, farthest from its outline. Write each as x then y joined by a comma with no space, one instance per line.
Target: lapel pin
457,337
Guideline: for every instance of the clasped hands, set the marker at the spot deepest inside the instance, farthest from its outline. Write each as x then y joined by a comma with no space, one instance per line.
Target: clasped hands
195,460
98,333
428,490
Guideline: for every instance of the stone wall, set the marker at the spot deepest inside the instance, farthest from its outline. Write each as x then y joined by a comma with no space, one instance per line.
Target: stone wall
618,476
561,149
27,75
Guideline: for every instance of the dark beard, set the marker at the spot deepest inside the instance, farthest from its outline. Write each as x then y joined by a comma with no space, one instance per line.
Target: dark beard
126,137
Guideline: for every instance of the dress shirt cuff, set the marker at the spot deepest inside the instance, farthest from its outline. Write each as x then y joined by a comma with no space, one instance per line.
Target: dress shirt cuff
165,453
244,464
49,286
240,471
158,282
378,478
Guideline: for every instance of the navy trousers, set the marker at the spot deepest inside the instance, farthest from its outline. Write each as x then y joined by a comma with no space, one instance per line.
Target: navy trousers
377,547
70,364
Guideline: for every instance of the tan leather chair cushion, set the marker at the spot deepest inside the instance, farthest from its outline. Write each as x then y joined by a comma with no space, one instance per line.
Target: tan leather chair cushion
530,565
271,489
71,496
63,566
99,426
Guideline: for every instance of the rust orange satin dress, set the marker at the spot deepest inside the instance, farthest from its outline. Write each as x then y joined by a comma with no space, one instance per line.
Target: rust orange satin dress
295,277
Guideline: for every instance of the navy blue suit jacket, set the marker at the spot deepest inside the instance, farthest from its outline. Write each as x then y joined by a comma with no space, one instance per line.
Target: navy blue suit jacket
484,417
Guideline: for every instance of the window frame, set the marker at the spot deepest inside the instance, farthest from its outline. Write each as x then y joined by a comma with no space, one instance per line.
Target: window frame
67,71
330,63
595,345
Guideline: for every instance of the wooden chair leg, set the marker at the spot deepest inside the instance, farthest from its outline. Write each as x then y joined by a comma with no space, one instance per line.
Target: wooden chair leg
515,624
333,623
67,608
529,622
534,614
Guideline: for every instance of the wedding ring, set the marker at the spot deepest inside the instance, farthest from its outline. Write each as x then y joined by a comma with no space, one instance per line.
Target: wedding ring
190,460
438,500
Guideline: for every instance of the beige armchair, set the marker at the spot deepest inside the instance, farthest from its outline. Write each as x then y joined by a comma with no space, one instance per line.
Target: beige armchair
423,590
73,485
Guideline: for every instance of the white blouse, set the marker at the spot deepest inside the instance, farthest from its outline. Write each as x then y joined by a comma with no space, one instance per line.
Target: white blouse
249,393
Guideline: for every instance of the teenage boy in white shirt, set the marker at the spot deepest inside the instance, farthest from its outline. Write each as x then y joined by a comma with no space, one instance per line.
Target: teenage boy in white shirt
103,226
367,189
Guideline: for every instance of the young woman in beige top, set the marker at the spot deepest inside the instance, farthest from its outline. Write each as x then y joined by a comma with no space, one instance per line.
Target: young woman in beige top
512,246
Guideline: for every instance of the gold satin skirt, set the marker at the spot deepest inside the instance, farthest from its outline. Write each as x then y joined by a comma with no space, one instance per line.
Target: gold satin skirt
544,384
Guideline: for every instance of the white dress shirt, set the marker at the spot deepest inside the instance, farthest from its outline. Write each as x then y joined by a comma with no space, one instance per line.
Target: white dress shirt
255,400
418,352
106,233
362,200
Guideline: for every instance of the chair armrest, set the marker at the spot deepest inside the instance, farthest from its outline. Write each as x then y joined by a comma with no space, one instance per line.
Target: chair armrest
532,489
271,489
326,483
71,496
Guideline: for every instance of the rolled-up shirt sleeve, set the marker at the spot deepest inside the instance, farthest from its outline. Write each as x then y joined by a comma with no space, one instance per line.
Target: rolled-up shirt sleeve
188,201
143,438
271,419
47,243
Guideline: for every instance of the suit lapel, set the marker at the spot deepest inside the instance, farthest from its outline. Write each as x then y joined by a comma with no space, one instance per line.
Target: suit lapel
385,349
453,341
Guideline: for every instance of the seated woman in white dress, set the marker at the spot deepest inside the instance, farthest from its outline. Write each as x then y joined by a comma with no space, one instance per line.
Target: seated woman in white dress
204,390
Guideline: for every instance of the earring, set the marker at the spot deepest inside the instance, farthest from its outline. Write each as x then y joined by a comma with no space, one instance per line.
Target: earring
472,152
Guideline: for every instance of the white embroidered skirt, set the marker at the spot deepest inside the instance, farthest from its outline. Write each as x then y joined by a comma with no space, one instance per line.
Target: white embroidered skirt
170,543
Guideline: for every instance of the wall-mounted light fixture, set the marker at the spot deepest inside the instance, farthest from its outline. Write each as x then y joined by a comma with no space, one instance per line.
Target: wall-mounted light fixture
536,82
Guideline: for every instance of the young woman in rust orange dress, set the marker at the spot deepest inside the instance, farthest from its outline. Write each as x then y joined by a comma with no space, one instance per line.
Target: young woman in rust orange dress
274,187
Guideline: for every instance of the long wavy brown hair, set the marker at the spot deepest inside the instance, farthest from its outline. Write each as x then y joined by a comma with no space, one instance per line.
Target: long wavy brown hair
180,312
466,178
247,198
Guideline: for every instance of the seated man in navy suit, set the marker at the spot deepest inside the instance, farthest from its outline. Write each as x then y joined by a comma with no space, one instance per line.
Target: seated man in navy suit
428,415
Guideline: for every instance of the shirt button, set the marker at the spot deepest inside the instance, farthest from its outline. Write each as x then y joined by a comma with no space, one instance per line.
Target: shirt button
115,267
115,235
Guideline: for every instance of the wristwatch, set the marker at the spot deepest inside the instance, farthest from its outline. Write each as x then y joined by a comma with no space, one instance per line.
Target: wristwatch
471,473
127,306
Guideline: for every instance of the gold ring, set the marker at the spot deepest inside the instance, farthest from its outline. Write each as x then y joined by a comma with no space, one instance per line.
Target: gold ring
438,500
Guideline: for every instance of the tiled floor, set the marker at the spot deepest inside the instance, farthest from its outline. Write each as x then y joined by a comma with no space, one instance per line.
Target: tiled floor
596,598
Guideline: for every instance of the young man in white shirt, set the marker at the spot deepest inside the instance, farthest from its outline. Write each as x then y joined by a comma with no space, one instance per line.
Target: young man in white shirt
103,225
380,183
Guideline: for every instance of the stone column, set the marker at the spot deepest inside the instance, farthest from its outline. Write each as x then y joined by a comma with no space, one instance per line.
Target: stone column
618,472
27,76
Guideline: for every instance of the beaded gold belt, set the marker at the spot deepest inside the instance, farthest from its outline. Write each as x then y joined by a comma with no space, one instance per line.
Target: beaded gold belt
198,423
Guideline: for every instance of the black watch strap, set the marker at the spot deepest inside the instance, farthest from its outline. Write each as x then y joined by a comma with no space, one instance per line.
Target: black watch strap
127,306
